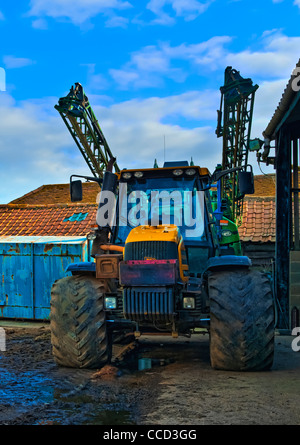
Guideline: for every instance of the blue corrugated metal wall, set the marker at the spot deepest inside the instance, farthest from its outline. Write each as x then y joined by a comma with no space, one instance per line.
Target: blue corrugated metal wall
28,268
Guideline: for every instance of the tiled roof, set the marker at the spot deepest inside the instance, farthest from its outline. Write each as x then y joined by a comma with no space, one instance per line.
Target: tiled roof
58,194
48,211
72,220
259,212
259,220
77,220
264,185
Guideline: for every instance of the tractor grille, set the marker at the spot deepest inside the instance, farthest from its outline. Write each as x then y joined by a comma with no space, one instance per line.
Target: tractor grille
159,250
142,304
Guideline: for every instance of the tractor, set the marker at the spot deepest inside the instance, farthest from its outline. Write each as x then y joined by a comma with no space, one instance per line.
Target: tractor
164,261
166,252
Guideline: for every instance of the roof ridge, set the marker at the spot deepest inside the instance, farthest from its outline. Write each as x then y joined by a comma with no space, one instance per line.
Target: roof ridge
59,205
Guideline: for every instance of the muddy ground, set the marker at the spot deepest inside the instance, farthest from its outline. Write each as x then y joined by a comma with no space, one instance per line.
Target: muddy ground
180,388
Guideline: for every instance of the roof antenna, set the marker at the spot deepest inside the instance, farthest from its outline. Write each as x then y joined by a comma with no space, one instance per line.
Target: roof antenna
164,148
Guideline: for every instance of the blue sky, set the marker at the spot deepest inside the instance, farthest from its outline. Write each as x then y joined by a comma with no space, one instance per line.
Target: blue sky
152,70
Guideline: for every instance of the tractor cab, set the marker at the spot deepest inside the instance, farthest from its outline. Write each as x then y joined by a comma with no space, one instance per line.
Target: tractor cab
162,231
162,207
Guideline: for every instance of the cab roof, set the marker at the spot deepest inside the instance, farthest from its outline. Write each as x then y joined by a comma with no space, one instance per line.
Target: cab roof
202,171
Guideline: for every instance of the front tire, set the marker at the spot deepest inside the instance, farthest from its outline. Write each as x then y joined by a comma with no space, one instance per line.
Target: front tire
242,321
77,322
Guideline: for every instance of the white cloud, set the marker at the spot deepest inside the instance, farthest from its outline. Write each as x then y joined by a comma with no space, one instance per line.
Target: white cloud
117,22
276,58
95,81
125,77
35,148
135,131
188,9
78,11
16,62
40,24
149,66
267,99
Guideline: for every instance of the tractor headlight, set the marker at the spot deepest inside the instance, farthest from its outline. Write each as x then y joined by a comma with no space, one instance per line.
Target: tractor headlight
138,174
110,303
188,303
126,175
190,172
177,172
226,233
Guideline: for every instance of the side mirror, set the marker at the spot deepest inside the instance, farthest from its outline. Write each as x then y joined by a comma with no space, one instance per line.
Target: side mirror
218,174
246,182
76,191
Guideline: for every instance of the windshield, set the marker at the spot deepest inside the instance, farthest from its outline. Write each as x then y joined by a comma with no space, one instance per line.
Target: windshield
156,201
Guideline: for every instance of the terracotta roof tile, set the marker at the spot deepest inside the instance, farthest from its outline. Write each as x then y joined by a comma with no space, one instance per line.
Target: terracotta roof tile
259,220
46,221
45,211
58,194
265,185
258,225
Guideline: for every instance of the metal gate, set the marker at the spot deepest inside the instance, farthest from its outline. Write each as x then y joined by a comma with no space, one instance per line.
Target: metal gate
28,268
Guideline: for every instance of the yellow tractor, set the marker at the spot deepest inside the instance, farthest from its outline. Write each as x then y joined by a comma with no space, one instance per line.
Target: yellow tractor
166,253
165,259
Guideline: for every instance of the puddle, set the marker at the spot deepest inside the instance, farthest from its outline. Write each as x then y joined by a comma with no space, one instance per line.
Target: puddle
34,391
25,388
52,404
95,416
109,417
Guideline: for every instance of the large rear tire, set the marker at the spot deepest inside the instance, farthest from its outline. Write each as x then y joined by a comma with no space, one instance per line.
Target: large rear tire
242,321
77,323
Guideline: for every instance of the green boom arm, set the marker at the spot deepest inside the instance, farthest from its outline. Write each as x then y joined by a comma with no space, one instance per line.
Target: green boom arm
81,122
234,126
